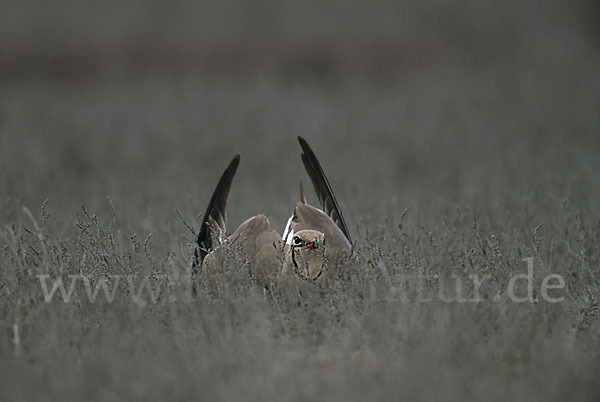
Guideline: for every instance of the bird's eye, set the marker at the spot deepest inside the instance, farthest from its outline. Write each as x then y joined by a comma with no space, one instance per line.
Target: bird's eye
297,241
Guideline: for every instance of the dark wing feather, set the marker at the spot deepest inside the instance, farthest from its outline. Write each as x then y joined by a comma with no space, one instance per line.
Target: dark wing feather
215,214
322,187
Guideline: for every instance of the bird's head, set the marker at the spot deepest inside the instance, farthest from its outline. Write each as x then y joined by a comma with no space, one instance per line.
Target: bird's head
307,251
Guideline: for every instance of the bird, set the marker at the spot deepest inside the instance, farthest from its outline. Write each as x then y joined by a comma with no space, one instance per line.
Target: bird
312,241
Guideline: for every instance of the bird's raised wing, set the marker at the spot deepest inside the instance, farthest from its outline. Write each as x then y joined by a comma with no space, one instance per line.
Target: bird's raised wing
322,188
214,222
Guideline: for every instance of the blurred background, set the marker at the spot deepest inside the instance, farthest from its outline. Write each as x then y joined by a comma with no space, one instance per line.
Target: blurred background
146,101
74,42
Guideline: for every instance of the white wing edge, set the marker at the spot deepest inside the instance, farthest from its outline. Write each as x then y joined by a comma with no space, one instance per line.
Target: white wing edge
288,233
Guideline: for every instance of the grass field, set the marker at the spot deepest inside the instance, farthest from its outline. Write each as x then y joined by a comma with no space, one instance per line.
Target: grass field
460,140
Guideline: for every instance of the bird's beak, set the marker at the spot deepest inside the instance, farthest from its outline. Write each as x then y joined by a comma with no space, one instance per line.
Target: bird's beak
310,246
